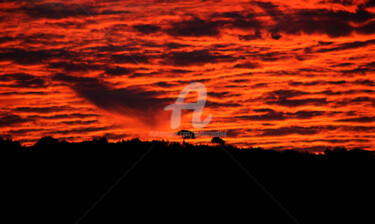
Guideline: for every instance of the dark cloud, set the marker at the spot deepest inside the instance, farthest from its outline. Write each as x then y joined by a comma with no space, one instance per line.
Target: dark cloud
325,43
365,82
348,46
341,2
179,71
343,64
195,27
299,102
275,35
369,28
255,36
113,12
279,94
39,38
42,109
249,23
359,119
12,119
129,58
361,99
234,133
198,57
271,9
165,84
75,67
146,28
80,130
24,131
282,98
141,74
318,148
84,81
63,116
292,130
359,70
53,10
271,115
231,15
117,71
365,129
332,140
20,80
323,21
212,104
311,83
240,20
130,101
108,48
112,136
247,64
370,64
23,93
347,92
223,94
303,114
336,82
24,57
272,56
259,85
80,122
264,110
5,39
173,45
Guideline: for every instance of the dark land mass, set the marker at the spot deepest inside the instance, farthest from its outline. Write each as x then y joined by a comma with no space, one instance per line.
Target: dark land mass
61,182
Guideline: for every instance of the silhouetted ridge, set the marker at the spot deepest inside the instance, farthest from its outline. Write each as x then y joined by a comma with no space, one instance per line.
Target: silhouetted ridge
103,144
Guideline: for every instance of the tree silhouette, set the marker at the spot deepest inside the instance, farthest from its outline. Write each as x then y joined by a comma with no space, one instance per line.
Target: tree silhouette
186,134
9,144
47,141
218,141
102,140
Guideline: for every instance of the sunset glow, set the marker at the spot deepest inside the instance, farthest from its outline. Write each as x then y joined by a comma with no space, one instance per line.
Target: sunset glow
278,74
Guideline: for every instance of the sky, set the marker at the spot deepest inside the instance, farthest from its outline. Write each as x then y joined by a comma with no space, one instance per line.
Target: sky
278,74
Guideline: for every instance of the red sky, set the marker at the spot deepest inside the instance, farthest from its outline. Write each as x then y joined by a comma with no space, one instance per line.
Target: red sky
279,74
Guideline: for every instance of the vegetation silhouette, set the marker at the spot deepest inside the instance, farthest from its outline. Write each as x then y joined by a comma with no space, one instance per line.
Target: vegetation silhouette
217,140
60,180
186,134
